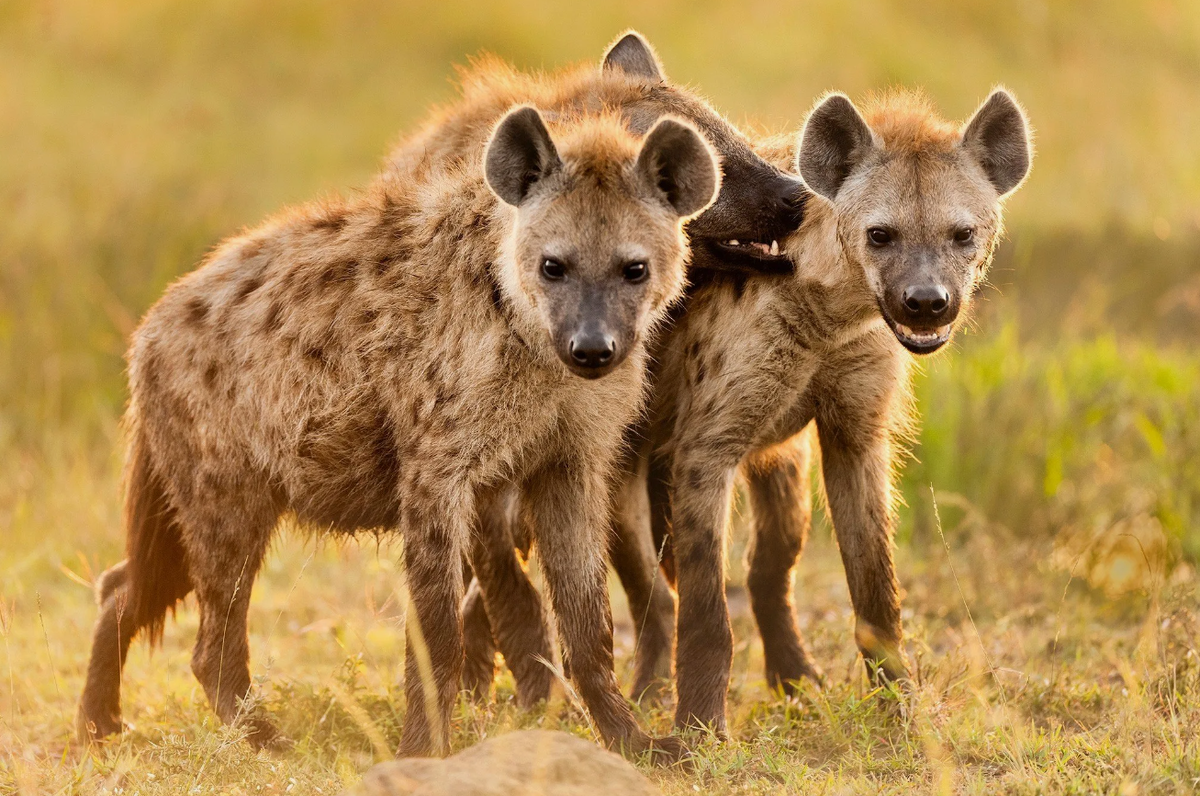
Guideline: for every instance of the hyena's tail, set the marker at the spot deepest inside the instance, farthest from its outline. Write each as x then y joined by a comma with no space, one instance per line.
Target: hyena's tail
156,570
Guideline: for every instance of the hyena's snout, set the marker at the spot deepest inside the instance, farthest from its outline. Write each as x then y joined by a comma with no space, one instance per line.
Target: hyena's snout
922,311
595,328
592,349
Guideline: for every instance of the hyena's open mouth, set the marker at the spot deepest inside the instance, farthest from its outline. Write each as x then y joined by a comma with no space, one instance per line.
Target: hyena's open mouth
918,341
747,254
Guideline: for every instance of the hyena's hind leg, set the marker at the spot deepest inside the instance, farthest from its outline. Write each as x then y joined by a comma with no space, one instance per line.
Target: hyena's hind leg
636,561
225,550
134,595
100,707
479,658
778,484
515,619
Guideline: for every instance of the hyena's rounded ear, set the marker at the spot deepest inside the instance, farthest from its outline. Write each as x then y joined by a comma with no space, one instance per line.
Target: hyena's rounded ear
676,160
519,154
633,55
835,139
999,139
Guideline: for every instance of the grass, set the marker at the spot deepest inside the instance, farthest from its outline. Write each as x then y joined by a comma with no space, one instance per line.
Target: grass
1051,531
1030,678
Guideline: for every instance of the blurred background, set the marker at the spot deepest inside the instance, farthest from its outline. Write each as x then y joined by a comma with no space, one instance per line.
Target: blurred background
1051,525
136,135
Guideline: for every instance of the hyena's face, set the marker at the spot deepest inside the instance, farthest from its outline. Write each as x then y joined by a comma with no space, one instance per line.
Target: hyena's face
917,202
758,205
598,251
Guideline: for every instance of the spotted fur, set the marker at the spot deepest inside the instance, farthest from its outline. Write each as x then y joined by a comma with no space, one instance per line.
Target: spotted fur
388,362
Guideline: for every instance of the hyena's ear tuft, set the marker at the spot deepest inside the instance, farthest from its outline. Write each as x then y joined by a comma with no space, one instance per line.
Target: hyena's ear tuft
999,139
519,154
634,56
676,160
835,140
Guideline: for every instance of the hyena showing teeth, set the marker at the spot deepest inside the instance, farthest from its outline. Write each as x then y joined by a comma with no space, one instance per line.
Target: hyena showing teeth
391,362
904,222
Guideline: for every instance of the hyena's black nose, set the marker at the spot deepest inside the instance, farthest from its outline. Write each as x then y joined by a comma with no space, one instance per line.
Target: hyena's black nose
926,301
592,348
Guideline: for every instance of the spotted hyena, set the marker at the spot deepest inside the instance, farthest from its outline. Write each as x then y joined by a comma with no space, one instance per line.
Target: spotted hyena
391,361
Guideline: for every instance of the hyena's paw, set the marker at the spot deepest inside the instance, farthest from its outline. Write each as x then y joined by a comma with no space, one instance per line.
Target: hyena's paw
97,726
261,733
669,750
785,672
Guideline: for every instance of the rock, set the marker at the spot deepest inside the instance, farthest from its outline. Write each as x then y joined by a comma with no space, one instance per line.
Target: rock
526,763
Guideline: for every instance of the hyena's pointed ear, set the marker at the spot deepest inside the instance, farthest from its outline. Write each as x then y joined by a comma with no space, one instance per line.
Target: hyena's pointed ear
519,154
998,138
634,56
676,160
835,140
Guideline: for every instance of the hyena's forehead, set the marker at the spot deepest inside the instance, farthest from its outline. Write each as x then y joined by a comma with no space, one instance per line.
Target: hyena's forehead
593,222
932,191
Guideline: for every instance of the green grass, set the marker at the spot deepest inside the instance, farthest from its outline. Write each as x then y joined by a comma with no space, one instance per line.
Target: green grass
1051,613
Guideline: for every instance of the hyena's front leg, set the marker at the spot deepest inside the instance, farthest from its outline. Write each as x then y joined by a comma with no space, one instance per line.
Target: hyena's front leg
568,506
433,629
701,488
856,460
777,481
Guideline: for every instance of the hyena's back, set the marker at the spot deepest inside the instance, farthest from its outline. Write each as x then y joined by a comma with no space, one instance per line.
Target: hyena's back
257,379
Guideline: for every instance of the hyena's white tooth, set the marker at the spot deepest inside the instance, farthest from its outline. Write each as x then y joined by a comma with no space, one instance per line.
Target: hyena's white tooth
734,242
774,247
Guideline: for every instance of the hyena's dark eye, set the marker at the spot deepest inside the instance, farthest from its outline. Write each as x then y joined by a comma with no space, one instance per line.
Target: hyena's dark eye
879,236
964,236
553,269
635,272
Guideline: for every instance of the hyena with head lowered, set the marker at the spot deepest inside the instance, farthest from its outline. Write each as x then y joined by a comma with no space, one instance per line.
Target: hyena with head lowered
388,362
906,215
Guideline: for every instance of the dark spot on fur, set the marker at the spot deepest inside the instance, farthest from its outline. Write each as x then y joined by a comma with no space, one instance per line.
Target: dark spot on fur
197,310
342,271
274,321
700,372
738,282
246,288
368,317
306,449
718,361
383,446
316,354
333,221
210,375
251,249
